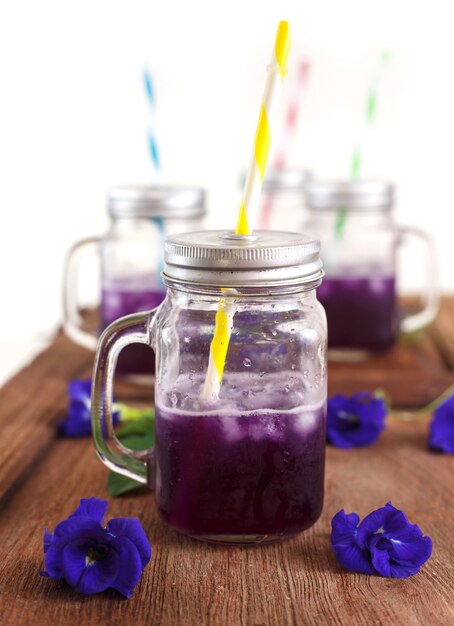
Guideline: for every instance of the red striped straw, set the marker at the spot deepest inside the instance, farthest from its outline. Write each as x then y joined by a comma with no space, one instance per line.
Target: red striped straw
287,134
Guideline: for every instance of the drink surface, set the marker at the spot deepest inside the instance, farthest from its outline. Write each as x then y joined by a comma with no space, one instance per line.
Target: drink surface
361,310
123,298
250,469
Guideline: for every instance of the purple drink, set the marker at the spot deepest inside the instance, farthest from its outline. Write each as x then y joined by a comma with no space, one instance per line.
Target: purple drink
241,475
119,299
361,311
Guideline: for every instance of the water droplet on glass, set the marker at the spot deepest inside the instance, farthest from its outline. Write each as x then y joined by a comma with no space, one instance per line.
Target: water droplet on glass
173,399
247,362
187,339
274,333
305,373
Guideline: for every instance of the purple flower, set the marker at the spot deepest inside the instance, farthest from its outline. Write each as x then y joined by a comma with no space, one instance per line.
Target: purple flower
355,421
441,435
78,419
384,543
92,558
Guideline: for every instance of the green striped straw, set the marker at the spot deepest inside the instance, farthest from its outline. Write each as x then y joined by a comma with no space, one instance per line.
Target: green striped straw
357,156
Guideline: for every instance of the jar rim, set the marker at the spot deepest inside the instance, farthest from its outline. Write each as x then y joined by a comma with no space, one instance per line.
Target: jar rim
219,259
283,179
156,201
351,195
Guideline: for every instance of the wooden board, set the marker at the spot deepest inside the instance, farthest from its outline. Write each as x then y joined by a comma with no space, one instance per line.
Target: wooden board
296,582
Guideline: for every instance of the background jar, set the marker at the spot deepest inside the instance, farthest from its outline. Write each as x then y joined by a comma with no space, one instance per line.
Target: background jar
282,198
124,265
360,246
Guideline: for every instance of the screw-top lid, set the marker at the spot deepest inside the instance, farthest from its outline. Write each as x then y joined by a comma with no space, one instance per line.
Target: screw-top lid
285,179
157,201
355,195
222,259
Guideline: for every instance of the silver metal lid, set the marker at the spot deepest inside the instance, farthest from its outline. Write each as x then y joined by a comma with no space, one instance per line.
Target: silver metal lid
157,201
222,259
285,179
356,195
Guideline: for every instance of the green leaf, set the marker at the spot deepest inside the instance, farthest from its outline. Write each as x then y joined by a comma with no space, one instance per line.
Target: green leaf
118,484
129,436
138,442
140,426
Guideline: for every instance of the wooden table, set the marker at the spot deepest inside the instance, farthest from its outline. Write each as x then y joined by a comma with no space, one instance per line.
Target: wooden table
189,583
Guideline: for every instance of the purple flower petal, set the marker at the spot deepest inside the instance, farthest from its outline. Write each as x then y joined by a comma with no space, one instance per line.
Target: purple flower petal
355,421
53,563
407,550
441,430
130,567
380,560
385,539
387,519
131,528
80,390
85,575
47,540
77,527
343,539
387,563
78,419
413,546
92,558
94,508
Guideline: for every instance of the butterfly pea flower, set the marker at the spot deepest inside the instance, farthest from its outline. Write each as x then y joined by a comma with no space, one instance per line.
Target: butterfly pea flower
78,419
441,430
355,421
385,543
91,557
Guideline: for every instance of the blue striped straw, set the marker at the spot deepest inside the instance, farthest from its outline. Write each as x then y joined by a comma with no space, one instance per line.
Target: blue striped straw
154,156
159,223
151,133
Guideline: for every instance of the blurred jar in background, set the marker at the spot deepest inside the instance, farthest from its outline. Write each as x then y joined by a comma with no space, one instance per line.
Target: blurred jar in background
360,245
128,258
282,199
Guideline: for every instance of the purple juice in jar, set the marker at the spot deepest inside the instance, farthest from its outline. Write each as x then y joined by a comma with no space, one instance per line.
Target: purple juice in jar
241,474
125,297
361,310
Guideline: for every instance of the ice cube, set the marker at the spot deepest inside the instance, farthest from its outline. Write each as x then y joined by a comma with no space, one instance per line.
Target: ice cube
231,428
306,421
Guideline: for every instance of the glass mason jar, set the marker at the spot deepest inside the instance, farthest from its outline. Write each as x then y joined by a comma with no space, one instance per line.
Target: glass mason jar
245,464
130,258
360,243
282,198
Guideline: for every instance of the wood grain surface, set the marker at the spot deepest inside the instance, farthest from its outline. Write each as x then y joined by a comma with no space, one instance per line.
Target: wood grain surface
190,583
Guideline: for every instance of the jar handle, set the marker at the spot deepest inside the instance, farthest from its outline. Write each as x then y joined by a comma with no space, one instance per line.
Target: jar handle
431,290
135,328
73,323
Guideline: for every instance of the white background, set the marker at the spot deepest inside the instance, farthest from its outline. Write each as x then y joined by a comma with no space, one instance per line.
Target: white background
73,118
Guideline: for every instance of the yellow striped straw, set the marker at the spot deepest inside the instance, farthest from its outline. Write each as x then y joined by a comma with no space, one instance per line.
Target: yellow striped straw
270,102
276,72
